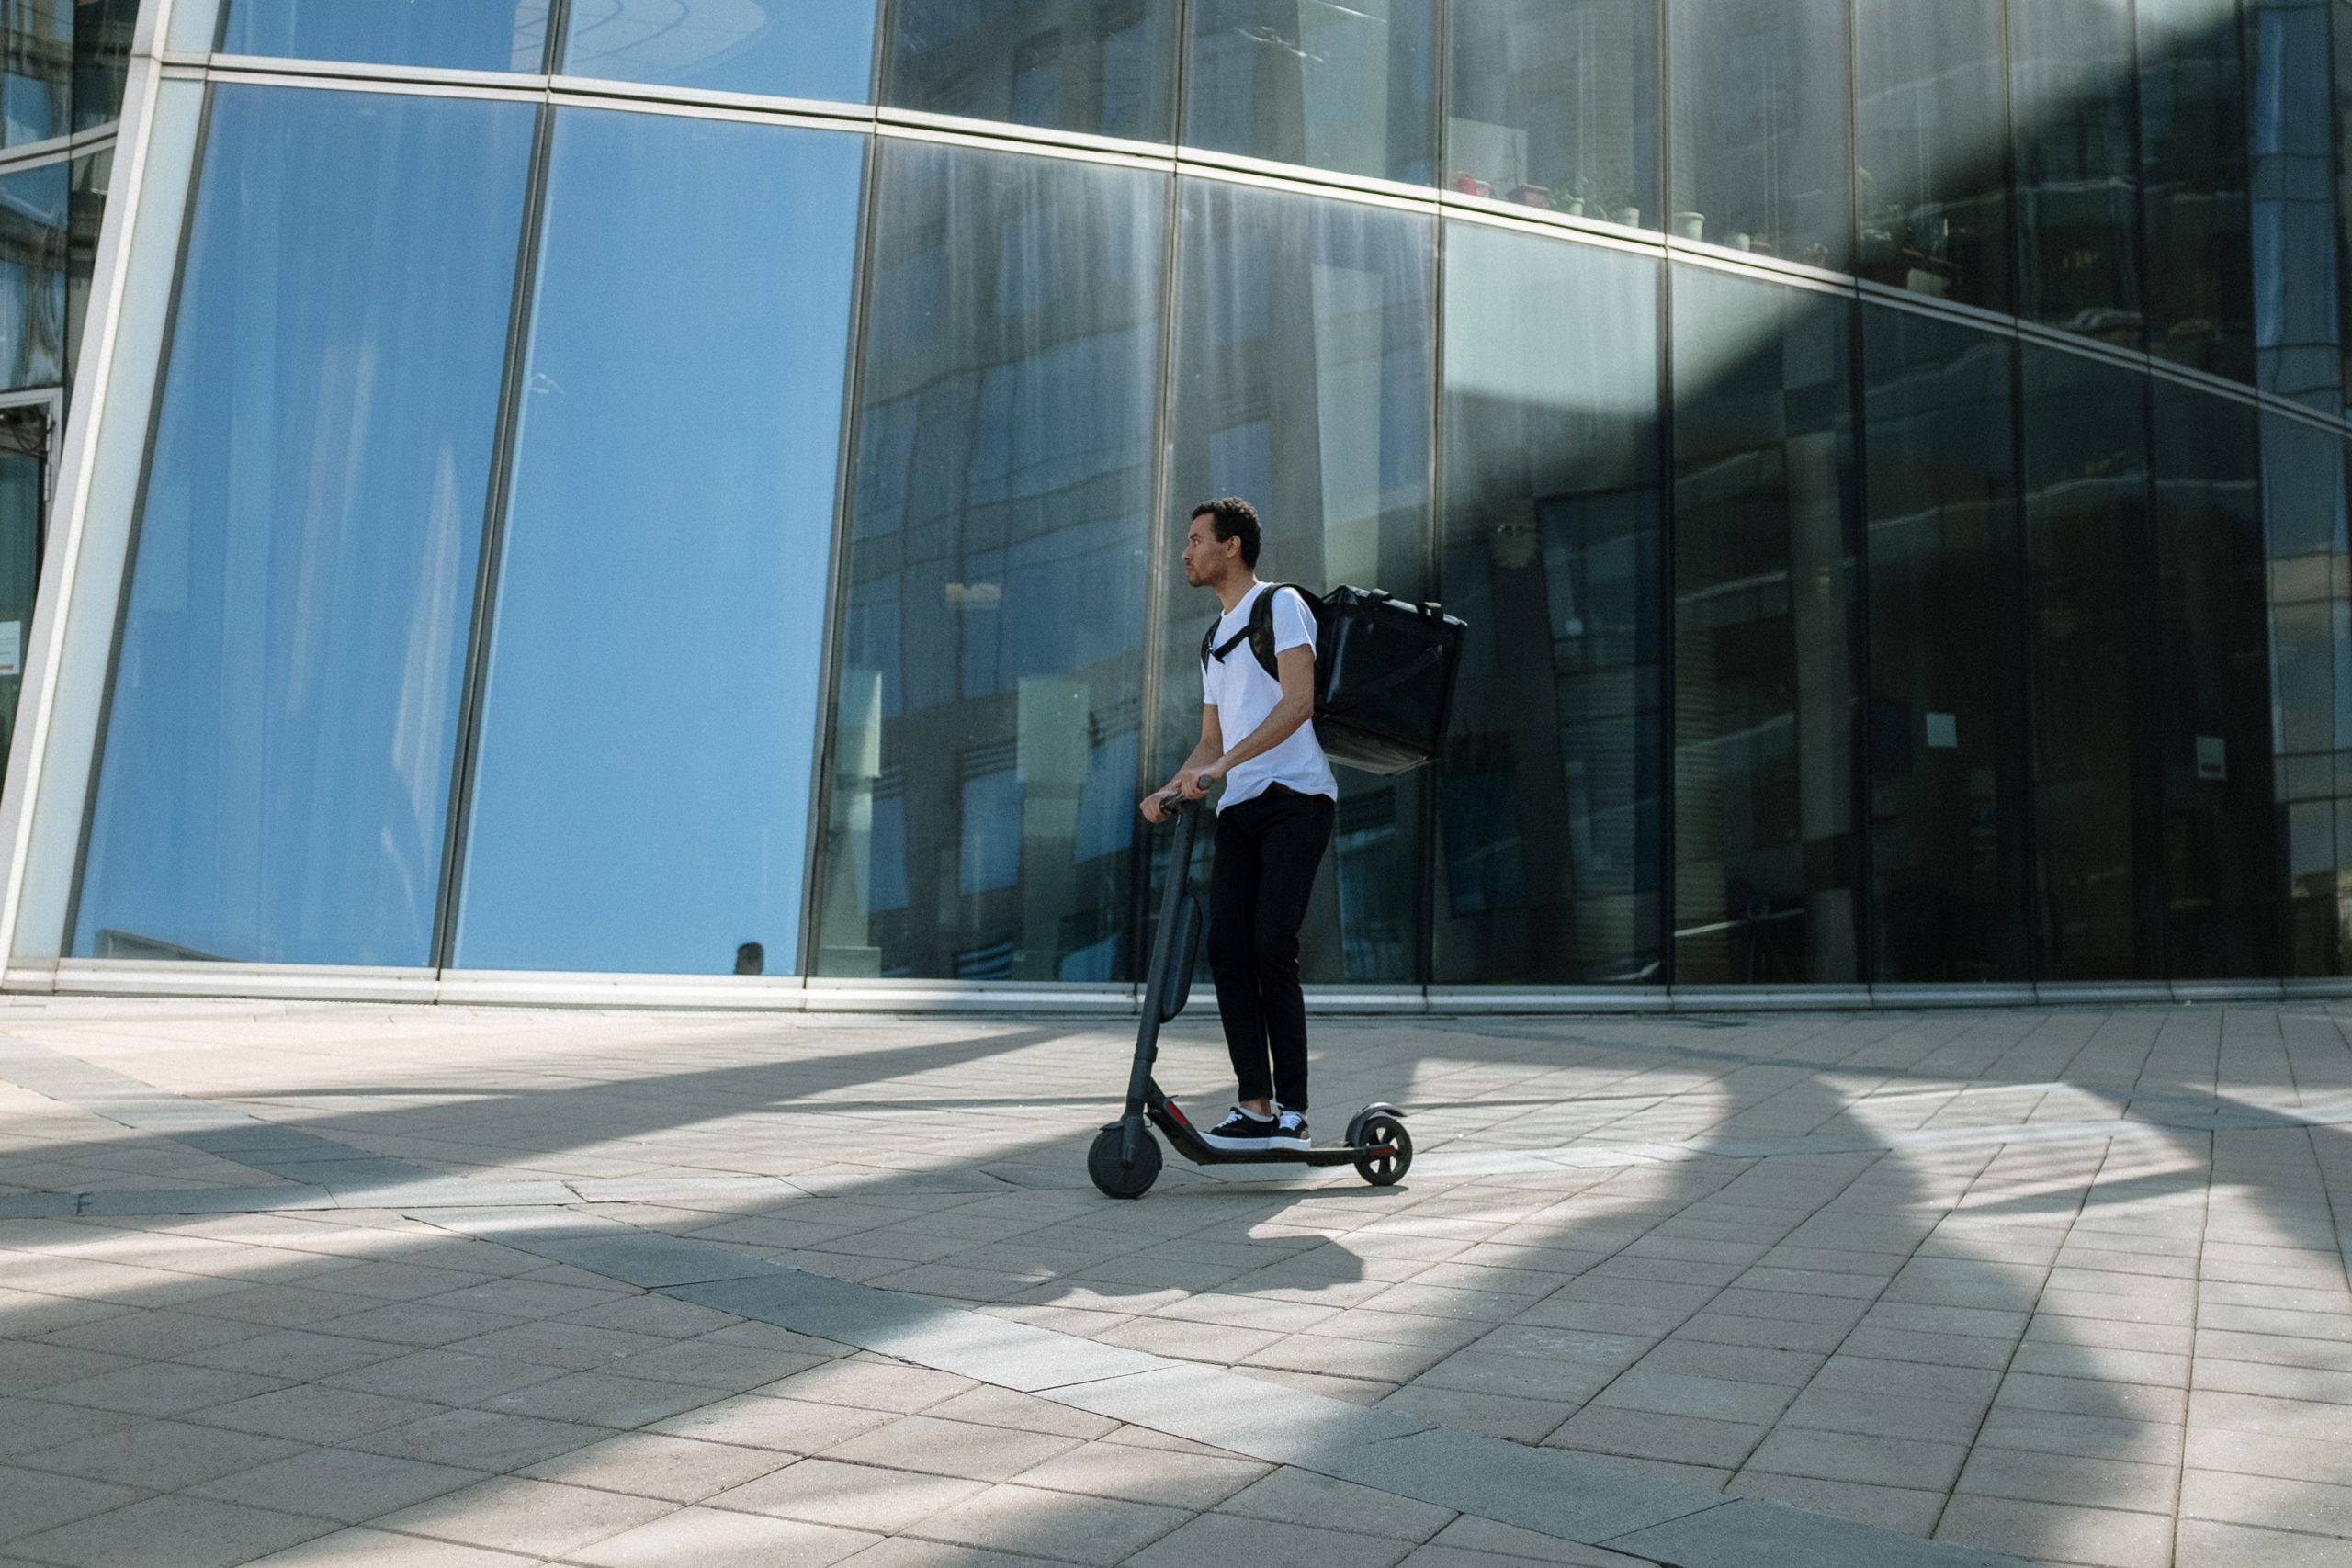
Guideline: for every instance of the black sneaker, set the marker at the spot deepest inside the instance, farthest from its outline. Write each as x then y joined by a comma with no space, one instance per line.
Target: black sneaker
1241,1133
1290,1130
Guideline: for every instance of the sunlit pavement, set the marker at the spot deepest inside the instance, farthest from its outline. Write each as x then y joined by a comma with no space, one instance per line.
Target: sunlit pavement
384,1285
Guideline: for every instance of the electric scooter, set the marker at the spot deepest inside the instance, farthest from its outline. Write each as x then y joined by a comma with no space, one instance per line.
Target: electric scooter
1125,1159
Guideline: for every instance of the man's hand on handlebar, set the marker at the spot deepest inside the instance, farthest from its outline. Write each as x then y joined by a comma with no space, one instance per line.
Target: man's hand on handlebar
1191,783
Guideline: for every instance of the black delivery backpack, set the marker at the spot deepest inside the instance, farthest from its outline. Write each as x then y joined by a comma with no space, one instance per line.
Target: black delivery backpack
1383,673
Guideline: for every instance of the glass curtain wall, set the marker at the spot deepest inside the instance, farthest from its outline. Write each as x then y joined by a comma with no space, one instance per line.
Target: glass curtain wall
1931,176
2194,203
25,434
465,34
2077,162
2091,569
1554,104
649,721
274,772
36,71
1766,634
1303,353
1550,798
822,50
2220,859
1100,67
986,696
1947,754
1759,150
34,243
1348,87
101,58
2310,574
2291,141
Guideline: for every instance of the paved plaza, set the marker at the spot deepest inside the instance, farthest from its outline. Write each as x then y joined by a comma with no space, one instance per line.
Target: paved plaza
475,1288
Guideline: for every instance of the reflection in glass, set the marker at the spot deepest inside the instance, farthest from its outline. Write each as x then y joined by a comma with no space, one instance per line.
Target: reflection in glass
2193,125
1549,808
1931,181
2077,166
33,263
101,58
1555,105
779,48
465,34
1349,85
2091,565
1303,385
2303,504
2220,836
642,794
1946,771
273,778
1104,67
1759,149
2296,331
36,71
86,209
987,703
1765,634
24,466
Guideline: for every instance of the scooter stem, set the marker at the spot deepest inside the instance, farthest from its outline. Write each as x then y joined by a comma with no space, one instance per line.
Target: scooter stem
1180,877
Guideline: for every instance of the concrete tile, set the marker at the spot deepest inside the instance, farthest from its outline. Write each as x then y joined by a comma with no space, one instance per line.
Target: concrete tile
852,1497
1484,1537
2208,1543
1680,1394
31,1501
1320,1502
478,1439
786,1425
2067,1479
709,1538
2249,1453
649,1465
534,1518
1499,1416
1684,1439
1854,1457
1140,1476
442,1376
186,1532
160,1388
337,1483
1899,1509
2087,1535
313,1413
950,1448
382,1549
161,1456
599,1399
909,1551
1215,1539
1096,1530
1747,1533
872,1386
2312,1507
1022,1413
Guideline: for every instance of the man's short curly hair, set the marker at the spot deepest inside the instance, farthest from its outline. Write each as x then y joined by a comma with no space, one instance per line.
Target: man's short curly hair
1233,518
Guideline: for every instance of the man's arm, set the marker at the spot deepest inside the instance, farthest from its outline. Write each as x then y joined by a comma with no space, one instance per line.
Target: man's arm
1212,741
1296,669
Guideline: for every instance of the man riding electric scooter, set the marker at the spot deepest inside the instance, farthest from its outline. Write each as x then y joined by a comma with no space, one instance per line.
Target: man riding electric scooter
1274,822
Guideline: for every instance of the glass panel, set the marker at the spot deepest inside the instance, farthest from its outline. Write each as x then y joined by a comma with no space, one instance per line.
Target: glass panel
1303,385
2303,504
1759,156
465,34
1947,624
36,71
1932,167
276,766
1764,634
1549,794
2091,564
794,49
23,496
2221,839
2296,333
101,58
1555,105
705,532
1106,67
986,704
2077,166
1349,87
32,275
2193,115
86,209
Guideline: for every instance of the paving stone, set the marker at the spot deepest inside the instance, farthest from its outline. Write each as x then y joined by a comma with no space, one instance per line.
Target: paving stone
650,1464
2068,1479
786,1425
2267,1501
313,1413
853,1496
1226,1539
337,1483
1750,1534
1898,1508
1853,1457
950,1448
709,1538
1097,1531
186,1532
2208,1543
383,1548
2102,1537
1303,1497
478,1439
33,1501
534,1518
1176,1480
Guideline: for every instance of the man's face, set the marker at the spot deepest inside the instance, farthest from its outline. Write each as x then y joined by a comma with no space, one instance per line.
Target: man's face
1206,554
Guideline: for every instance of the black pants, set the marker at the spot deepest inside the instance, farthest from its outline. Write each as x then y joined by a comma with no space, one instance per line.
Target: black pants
1267,850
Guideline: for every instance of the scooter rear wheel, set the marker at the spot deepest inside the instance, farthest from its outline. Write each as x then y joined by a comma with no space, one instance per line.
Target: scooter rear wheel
1387,1133
1116,1178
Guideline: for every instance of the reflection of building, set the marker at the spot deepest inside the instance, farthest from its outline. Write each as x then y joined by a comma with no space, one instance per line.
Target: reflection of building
603,488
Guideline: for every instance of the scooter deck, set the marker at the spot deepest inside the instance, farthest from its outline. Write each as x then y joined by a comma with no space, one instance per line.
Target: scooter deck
1189,1142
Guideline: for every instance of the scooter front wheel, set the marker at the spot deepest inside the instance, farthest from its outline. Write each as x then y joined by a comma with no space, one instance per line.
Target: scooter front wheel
1119,1177
1387,1150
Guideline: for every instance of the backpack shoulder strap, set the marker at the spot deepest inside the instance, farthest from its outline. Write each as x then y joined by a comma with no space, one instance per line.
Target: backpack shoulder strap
1262,628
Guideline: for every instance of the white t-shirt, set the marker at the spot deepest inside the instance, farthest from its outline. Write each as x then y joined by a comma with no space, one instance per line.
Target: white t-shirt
1243,695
